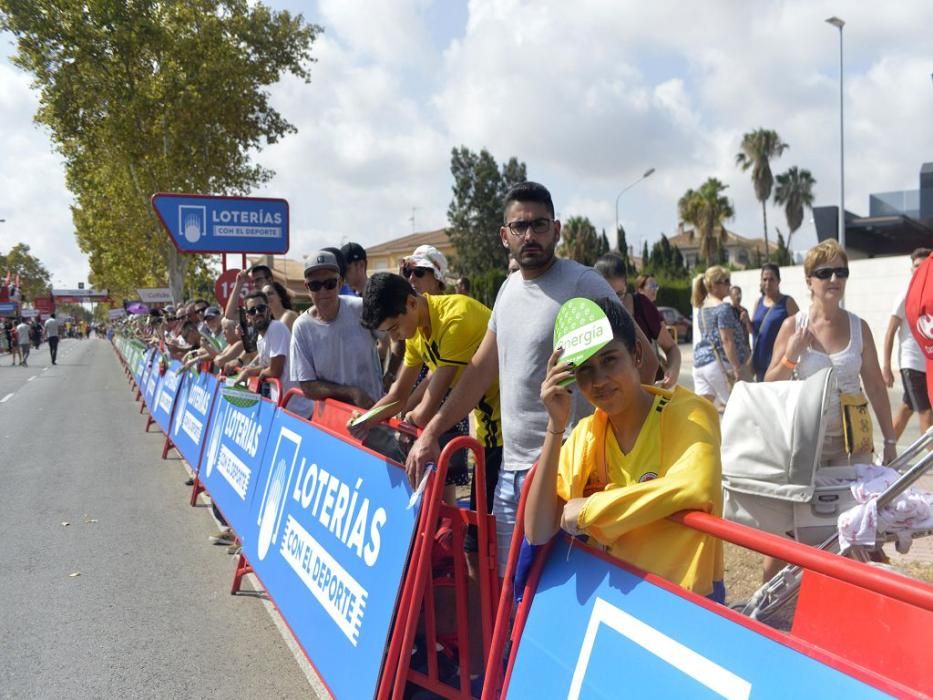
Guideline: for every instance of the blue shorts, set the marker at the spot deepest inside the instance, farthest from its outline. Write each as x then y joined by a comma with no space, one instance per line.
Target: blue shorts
505,508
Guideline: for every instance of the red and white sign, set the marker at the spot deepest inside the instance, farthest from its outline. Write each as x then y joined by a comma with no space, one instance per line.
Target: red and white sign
224,285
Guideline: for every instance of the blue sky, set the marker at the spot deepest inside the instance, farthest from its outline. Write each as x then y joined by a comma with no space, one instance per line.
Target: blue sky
589,94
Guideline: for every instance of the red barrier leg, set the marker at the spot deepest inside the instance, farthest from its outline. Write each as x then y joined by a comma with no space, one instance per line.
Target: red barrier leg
167,446
149,421
243,567
196,489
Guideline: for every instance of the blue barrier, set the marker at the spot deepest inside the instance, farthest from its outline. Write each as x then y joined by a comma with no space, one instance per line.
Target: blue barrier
330,539
595,629
192,413
163,403
150,378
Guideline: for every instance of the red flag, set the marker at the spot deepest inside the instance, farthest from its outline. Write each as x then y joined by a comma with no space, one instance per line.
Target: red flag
919,308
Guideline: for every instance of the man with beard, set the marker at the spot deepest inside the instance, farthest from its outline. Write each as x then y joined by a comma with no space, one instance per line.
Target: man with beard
516,349
272,345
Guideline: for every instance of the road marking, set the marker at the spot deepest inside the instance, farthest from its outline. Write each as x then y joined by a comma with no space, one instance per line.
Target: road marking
32,377
6,398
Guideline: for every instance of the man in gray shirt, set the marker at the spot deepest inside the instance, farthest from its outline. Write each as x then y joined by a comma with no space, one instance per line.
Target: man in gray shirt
51,332
517,346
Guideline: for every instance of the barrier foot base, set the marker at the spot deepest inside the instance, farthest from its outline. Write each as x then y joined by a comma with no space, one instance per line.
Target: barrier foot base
166,447
196,490
243,567
149,421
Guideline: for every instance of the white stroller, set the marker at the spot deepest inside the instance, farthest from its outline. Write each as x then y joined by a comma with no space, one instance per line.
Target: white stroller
772,479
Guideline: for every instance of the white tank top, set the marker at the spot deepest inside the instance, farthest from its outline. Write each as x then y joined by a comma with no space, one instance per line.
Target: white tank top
847,363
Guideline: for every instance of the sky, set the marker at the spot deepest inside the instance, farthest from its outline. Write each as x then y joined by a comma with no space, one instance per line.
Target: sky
588,94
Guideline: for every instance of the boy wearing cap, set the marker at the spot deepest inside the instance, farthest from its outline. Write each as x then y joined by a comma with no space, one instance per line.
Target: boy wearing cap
354,256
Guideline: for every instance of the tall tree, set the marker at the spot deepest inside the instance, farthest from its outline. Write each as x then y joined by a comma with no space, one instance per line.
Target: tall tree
603,244
144,97
782,256
34,279
579,240
706,208
475,212
794,192
758,148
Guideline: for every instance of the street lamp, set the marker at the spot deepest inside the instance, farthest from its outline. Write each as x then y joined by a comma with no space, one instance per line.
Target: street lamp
839,24
646,175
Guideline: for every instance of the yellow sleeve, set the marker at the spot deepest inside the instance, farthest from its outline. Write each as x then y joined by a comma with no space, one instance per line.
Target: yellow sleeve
693,479
412,353
572,472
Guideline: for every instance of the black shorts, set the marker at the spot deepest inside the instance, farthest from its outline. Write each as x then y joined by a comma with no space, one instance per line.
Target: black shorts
493,459
915,390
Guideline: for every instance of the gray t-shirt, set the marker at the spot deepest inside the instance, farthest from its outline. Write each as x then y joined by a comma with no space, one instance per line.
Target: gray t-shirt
51,328
523,321
339,351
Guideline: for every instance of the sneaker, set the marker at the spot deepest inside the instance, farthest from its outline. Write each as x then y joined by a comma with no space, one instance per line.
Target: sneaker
234,549
225,537
189,481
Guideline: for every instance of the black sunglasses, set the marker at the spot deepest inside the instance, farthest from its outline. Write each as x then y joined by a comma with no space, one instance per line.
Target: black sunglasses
171,318
317,285
258,309
418,272
824,273
520,228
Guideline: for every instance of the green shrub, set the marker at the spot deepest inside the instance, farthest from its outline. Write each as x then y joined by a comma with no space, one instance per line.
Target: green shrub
486,285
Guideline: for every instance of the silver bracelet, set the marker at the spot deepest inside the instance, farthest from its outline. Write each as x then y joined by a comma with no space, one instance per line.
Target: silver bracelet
890,442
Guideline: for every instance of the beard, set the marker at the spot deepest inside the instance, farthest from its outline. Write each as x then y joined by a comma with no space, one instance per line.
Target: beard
533,255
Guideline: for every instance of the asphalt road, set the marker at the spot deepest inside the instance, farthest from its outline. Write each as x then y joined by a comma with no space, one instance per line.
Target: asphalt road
129,599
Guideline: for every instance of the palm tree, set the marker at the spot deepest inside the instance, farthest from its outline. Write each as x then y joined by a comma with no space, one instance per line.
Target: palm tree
579,240
795,192
758,148
706,208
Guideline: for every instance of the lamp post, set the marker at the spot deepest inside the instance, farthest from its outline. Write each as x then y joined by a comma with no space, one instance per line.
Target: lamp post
839,24
646,174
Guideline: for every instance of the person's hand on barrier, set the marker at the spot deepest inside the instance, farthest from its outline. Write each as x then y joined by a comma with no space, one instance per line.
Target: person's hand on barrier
359,431
888,376
425,451
554,394
569,519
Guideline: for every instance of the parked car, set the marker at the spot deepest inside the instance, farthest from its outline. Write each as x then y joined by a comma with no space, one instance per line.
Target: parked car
679,325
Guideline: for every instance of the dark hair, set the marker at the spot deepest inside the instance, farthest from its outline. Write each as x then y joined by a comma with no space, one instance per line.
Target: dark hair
920,253
188,326
257,295
384,297
611,266
527,192
623,327
464,282
773,268
284,294
200,301
341,261
260,268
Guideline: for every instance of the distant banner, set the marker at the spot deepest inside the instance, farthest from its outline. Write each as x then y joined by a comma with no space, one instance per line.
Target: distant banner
596,629
240,425
194,403
114,314
155,295
330,533
164,400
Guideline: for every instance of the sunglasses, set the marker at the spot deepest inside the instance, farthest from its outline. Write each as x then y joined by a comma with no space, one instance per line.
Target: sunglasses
258,309
317,285
418,272
171,318
824,273
520,228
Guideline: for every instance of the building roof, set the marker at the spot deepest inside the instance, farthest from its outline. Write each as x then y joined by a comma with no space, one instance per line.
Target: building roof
406,244
685,240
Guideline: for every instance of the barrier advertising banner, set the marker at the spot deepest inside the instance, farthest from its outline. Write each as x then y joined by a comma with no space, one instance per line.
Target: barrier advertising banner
330,534
232,461
161,409
597,630
194,402
151,379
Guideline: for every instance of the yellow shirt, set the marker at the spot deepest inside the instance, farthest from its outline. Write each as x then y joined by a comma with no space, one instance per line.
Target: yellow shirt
674,465
458,325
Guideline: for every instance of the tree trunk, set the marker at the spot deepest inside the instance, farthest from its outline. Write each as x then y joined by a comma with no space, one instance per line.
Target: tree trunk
177,264
764,217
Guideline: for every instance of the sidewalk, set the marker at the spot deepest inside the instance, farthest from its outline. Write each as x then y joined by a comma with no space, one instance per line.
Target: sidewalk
922,550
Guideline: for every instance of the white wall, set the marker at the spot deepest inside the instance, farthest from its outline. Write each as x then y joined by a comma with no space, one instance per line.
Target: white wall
873,289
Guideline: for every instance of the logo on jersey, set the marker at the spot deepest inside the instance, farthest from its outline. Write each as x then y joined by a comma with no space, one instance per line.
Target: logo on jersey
925,326
647,476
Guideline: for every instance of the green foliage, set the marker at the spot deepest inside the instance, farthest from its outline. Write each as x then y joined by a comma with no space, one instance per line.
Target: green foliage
486,285
143,97
794,192
622,250
706,208
603,247
758,148
782,257
666,260
475,212
579,240
34,279
674,292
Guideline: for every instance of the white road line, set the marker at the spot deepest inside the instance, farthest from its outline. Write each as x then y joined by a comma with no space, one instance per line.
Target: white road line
6,398
32,377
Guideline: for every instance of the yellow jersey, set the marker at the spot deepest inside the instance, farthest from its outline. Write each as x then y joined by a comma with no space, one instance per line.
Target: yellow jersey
458,325
674,465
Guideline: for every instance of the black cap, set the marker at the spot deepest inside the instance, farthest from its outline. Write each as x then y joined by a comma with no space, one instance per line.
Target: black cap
353,252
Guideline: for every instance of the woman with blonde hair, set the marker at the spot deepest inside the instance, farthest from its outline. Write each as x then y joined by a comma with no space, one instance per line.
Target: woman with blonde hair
717,361
826,335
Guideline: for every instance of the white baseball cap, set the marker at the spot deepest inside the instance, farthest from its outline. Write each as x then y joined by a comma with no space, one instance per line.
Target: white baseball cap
430,257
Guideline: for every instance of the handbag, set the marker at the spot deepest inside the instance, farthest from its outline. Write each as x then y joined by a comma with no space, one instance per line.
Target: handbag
856,424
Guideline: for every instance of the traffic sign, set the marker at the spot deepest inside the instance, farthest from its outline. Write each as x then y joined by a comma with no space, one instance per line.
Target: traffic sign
199,223
223,287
